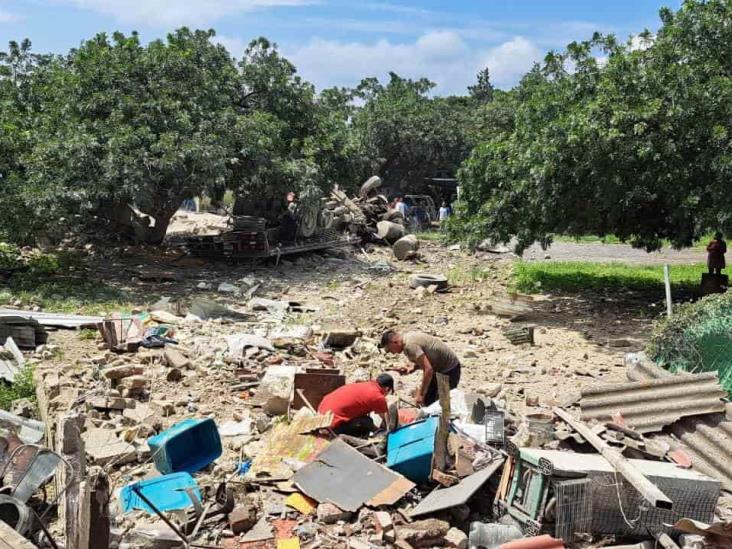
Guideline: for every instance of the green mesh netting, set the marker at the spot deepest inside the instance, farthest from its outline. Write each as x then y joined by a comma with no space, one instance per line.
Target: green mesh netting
698,338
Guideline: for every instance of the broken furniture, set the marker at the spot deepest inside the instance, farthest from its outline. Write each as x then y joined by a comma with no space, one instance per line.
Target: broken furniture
176,491
187,446
565,493
409,449
314,384
343,476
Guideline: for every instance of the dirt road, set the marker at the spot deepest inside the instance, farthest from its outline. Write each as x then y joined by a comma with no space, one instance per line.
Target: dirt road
571,251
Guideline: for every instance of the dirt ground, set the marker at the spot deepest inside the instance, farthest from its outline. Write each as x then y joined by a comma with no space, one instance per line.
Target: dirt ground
579,339
601,253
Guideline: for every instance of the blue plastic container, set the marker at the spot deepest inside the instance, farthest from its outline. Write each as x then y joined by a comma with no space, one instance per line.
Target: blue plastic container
166,493
409,449
187,446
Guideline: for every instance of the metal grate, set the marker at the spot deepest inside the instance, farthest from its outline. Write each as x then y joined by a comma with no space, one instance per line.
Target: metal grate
574,508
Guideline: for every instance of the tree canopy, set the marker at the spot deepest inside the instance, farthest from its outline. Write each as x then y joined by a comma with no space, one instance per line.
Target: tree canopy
635,144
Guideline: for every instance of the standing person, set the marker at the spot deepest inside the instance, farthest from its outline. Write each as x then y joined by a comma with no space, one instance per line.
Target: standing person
401,206
444,212
715,254
426,353
351,405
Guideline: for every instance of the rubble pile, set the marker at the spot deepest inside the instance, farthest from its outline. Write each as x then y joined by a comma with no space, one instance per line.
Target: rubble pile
195,424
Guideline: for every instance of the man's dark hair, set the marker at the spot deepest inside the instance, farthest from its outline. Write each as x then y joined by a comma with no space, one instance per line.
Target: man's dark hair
386,338
385,381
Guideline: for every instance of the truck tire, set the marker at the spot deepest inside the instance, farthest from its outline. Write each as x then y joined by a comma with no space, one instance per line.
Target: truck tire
426,280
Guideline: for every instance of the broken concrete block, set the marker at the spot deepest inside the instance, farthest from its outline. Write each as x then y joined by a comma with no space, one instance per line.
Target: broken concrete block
276,388
330,514
491,389
423,533
135,382
341,338
120,372
456,538
110,403
243,518
151,536
103,446
162,407
382,521
175,359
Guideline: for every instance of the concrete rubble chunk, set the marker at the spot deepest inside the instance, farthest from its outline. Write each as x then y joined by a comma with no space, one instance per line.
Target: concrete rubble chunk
276,388
243,518
23,407
341,338
456,538
146,535
111,403
330,514
423,533
135,382
121,372
175,359
104,447
491,389
162,408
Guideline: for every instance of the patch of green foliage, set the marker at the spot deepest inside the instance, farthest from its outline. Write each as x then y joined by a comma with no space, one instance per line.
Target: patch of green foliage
632,147
578,276
431,236
697,338
464,275
22,387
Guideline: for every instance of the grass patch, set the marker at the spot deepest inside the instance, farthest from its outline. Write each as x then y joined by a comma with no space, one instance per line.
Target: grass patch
576,276
65,295
432,236
22,387
463,275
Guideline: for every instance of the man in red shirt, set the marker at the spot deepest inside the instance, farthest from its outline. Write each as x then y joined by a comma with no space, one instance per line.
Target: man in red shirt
352,403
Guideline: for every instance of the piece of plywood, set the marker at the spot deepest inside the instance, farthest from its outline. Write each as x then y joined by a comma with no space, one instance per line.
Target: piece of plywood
458,494
10,539
346,478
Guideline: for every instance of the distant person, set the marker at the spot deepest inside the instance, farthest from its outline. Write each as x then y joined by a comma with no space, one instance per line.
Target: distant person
444,212
715,254
401,206
352,404
288,220
426,353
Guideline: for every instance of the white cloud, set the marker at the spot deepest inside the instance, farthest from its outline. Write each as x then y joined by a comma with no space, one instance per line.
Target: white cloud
511,60
177,12
442,56
7,17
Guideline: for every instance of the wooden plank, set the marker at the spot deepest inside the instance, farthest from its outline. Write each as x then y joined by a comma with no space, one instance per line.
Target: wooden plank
645,487
10,539
439,460
71,446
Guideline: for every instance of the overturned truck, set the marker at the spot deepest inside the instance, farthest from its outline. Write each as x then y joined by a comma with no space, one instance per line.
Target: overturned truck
269,227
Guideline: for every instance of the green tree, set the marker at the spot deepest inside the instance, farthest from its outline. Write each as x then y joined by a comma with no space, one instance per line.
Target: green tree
128,131
639,147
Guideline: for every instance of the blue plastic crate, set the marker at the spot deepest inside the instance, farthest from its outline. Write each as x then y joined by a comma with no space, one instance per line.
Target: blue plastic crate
166,493
409,449
187,446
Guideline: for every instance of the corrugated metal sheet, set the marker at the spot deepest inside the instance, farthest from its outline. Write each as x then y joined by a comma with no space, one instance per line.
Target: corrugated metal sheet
650,405
60,320
707,439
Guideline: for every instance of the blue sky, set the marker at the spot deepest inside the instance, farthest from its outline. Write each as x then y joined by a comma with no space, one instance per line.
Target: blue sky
338,42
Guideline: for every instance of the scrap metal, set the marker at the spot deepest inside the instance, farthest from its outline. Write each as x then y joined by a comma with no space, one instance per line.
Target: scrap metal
56,320
647,489
707,439
651,405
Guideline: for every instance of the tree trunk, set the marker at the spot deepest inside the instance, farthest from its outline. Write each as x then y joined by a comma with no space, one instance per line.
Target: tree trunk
138,226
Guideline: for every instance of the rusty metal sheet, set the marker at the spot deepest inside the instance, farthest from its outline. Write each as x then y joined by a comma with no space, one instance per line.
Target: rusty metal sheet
458,494
650,405
345,477
315,386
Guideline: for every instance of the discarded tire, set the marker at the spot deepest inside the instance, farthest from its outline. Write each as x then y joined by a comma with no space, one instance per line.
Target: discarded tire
373,182
391,232
426,280
404,246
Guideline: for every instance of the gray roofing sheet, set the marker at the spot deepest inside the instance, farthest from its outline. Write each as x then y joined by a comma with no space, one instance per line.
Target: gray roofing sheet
651,404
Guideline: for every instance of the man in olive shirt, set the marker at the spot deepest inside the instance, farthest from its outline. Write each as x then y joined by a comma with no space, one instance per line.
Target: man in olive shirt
426,353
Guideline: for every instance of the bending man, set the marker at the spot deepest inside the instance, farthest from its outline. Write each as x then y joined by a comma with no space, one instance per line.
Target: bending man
352,404
426,353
